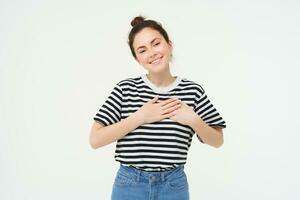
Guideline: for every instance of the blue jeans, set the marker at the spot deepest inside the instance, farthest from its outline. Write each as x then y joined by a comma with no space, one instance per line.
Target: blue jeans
134,184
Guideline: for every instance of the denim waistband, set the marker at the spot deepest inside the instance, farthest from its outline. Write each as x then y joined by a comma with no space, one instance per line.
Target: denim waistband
151,175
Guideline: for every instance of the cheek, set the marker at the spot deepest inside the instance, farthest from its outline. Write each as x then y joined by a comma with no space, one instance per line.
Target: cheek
143,58
164,49
169,50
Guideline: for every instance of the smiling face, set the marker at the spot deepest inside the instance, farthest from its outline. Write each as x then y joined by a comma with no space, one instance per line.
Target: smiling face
152,50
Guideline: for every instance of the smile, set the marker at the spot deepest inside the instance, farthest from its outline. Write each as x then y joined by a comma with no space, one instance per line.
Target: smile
157,61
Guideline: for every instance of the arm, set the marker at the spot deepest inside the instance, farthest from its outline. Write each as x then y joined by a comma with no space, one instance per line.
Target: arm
210,135
101,135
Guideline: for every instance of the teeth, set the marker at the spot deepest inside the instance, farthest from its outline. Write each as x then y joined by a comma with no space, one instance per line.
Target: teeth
155,61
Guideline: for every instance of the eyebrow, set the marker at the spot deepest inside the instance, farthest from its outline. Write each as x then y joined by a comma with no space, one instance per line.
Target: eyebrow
145,46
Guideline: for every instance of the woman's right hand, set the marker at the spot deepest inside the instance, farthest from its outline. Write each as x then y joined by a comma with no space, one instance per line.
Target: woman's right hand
155,110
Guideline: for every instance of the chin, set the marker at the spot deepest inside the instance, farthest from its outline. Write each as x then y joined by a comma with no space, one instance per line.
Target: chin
157,69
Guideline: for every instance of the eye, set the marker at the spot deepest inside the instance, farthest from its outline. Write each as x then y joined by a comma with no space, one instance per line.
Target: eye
156,43
142,51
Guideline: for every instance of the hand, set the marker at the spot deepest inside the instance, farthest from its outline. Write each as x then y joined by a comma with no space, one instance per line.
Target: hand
155,110
184,115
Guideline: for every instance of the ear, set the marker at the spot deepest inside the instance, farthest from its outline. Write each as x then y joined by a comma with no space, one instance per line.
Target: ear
171,45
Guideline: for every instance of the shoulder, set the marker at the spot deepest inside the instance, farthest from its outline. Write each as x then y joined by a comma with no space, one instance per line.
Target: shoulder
131,81
191,84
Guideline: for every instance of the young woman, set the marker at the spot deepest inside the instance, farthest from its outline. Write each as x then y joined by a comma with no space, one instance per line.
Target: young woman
153,118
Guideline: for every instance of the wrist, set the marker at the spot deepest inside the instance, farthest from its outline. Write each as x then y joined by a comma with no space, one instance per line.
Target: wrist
195,120
138,118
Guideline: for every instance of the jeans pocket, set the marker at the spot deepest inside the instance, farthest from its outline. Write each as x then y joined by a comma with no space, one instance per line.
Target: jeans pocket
177,182
123,179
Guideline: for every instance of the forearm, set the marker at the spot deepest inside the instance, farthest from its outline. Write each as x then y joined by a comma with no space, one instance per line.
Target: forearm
208,134
108,134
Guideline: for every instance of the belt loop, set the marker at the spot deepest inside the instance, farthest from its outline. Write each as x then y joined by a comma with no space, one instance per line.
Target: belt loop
138,175
163,176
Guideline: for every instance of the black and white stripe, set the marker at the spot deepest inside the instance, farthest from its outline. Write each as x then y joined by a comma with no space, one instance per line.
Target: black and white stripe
160,145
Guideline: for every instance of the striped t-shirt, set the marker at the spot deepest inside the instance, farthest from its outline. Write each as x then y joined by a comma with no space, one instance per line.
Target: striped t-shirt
162,145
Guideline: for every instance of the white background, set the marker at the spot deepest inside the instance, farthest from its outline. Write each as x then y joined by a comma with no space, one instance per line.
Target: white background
60,59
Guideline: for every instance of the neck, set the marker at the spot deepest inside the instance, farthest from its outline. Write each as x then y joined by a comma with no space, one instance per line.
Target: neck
161,79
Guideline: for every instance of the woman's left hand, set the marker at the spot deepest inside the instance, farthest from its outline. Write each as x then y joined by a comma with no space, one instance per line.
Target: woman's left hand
184,115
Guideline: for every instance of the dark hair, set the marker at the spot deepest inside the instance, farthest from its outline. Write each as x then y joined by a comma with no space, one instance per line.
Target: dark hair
139,23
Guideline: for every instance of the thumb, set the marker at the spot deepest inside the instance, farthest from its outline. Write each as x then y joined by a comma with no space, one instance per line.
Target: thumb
154,99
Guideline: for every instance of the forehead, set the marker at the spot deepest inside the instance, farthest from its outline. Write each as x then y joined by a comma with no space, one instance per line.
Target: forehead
145,36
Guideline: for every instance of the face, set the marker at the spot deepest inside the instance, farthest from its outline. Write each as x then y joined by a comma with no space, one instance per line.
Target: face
152,50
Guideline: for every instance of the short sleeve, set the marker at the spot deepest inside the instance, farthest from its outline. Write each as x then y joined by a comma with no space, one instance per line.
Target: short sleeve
110,111
206,110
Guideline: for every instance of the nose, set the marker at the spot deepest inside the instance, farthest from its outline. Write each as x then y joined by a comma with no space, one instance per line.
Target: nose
152,53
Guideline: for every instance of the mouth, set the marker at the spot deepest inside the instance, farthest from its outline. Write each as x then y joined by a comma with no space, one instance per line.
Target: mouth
156,61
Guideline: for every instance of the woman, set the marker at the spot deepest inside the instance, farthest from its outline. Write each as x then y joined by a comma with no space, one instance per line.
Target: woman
153,118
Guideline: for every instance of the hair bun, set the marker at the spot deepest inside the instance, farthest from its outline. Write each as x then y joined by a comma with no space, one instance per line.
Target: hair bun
137,20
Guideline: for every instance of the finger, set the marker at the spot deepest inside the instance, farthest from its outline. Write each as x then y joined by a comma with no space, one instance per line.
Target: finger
164,102
172,108
154,99
169,105
168,115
